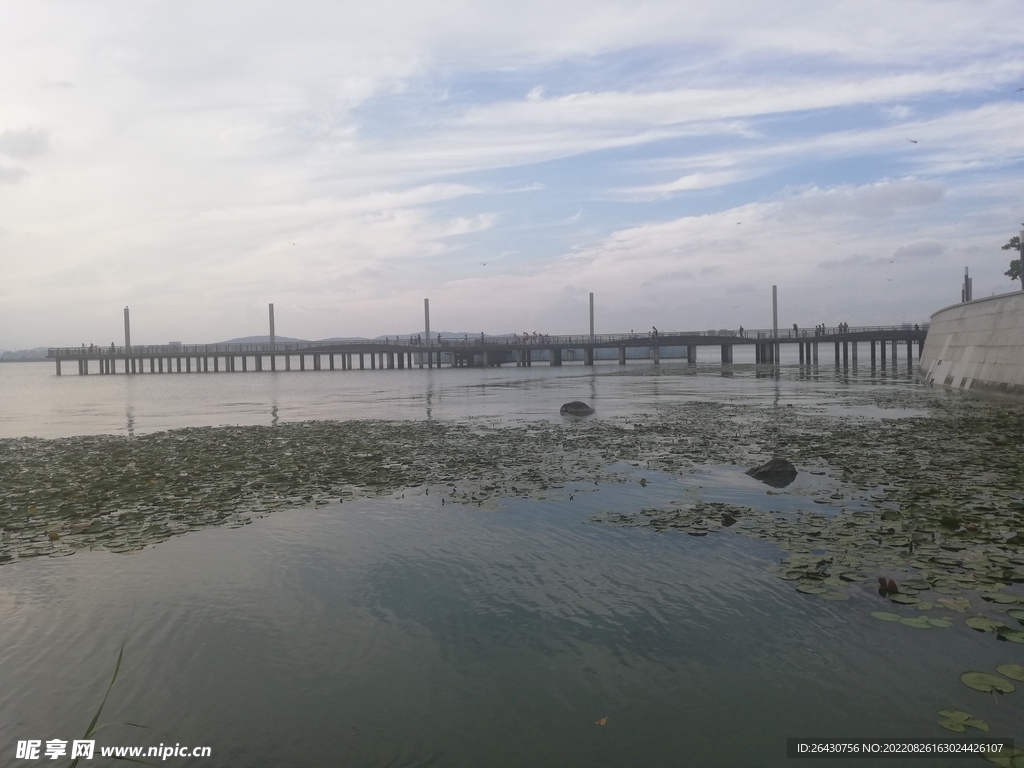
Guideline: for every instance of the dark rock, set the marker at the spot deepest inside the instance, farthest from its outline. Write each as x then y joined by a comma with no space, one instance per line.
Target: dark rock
778,473
576,408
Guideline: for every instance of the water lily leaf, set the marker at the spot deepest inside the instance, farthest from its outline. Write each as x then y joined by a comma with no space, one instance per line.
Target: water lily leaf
981,623
939,622
1012,671
920,623
955,714
1000,598
952,725
1005,633
959,604
986,683
885,616
981,725
1010,757
834,596
1017,614
924,606
811,589
903,599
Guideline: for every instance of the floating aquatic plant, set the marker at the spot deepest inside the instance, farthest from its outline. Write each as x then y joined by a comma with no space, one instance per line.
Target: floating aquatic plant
986,683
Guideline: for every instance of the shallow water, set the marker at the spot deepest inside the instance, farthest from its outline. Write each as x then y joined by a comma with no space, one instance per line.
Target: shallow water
398,631
37,403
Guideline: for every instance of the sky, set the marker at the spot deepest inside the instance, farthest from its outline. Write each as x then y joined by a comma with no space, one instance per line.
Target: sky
195,161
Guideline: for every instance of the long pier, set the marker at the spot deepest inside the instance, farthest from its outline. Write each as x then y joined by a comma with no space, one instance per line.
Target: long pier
486,351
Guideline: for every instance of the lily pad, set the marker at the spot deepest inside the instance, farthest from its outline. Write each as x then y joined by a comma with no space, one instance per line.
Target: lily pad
1017,614
955,714
1001,598
918,622
1010,757
811,589
1012,671
982,623
958,604
986,683
903,599
1005,633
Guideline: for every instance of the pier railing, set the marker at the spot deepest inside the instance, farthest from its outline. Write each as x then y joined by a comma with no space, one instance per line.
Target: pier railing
661,338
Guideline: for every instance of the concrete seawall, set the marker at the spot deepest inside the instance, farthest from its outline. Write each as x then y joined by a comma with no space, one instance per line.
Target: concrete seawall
978,346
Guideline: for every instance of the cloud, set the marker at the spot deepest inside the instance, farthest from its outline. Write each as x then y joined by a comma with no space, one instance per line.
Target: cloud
879,200
27,142
380,139
692,181
12,174
925,249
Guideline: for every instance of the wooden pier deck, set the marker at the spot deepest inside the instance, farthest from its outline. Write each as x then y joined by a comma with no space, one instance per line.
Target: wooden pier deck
477,351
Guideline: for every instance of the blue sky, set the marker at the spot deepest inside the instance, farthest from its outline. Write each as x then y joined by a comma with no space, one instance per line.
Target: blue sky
195,161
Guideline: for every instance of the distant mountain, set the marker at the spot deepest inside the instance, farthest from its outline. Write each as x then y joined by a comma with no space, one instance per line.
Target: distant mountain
283,339
259,340
21,355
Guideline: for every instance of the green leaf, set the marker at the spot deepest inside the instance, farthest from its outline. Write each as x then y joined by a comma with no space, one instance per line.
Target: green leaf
1012,671
986,683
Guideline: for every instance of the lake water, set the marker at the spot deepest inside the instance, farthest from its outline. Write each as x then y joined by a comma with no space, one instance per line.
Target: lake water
395,631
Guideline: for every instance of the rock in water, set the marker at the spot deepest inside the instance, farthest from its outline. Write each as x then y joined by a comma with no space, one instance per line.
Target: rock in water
778,473
576,408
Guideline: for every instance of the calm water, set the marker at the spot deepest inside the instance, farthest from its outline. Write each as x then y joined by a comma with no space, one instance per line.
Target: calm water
37,403
397,632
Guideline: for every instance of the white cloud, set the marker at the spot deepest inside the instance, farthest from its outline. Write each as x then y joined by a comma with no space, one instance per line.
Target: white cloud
878,200
27,142
205,138
11,174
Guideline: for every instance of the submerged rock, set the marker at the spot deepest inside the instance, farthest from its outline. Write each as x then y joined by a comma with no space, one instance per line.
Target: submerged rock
778,473
576,408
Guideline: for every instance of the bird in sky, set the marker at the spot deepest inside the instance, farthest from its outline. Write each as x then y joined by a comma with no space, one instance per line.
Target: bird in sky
912,141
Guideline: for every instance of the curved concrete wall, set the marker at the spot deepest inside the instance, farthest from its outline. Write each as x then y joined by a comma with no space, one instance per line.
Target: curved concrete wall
978,345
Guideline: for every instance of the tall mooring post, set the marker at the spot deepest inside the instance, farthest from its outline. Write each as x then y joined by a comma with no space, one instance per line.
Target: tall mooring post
965,292
273,341
775,323
591,318
426,326
127,333
426,319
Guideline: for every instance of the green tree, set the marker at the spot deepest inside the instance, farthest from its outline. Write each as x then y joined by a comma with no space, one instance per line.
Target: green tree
1014,245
